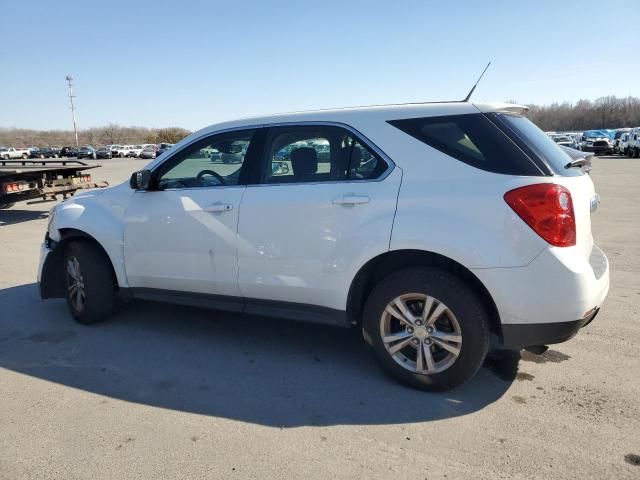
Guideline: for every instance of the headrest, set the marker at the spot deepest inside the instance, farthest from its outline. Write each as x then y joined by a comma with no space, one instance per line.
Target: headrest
304,161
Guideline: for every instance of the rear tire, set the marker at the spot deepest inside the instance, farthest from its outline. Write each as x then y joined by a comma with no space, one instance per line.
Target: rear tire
90,286
455,318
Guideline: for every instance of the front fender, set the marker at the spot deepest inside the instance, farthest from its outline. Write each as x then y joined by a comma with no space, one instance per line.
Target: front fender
99,215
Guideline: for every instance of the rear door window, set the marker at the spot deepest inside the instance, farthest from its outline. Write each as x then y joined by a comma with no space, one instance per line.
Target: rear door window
472,139
319,153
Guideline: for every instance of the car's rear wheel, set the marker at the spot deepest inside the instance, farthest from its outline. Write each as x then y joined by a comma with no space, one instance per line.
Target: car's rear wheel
427,328
24,155
89,282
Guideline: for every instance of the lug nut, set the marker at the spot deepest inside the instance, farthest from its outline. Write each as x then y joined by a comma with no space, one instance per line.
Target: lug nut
418,323
410,329
429,329
427,341
415,341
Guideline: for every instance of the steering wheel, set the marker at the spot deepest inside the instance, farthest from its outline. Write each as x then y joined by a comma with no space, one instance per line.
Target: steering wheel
209,172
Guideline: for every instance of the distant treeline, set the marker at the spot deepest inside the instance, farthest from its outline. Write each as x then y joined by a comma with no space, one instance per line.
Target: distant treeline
605,112
109,135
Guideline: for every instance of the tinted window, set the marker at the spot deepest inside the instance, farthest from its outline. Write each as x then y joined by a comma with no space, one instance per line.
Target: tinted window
213,162
536,142
319,154
472,139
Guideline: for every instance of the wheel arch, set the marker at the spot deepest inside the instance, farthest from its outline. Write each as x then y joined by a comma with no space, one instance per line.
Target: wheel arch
393,261
52,283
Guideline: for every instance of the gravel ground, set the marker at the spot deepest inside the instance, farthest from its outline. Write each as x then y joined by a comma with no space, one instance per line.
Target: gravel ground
172,392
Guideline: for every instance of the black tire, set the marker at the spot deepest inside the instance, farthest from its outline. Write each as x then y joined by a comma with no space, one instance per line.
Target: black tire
96,277
461,301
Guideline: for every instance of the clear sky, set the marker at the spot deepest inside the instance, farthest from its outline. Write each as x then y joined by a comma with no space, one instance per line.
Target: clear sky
192,63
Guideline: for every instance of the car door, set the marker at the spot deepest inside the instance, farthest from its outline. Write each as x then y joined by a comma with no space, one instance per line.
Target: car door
325,204
180,235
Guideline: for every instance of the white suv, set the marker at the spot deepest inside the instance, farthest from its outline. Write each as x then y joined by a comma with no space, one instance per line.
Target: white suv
440,229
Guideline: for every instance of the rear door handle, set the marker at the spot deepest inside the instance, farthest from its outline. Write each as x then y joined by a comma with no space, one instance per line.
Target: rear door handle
218,207
351,200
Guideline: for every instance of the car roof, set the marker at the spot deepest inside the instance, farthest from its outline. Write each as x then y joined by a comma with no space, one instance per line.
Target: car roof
382,112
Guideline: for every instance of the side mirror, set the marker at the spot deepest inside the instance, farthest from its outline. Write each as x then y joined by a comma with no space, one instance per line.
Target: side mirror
140,180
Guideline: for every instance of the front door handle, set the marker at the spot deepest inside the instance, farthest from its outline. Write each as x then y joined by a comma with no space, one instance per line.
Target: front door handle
218,207
351,200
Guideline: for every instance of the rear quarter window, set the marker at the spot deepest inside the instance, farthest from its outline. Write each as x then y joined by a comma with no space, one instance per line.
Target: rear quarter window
472,139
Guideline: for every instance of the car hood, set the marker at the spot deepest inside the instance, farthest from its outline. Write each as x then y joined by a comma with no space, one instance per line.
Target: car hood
116,192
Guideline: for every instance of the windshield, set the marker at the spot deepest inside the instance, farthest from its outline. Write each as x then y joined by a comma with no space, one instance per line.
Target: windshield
536,142
594,134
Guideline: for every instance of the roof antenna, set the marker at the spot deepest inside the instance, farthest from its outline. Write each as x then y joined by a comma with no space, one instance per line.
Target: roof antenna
466,99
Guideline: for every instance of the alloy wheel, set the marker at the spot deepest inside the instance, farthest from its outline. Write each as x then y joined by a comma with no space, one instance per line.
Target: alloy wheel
75,284
421,333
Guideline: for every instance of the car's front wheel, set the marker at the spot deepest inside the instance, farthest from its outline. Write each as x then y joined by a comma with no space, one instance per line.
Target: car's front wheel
427,328
89,282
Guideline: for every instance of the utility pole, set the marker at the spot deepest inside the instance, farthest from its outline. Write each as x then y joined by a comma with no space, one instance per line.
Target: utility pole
69,79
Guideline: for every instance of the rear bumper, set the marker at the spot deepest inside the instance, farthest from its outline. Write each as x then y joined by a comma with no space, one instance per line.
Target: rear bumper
517,336
550,299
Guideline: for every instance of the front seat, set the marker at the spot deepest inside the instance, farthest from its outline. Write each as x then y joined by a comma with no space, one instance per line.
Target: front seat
304,162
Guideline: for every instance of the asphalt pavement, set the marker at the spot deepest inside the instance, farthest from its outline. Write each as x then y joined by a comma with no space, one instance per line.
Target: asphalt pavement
173,392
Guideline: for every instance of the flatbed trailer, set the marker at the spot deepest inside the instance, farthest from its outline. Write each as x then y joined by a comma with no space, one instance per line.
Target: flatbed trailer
30,179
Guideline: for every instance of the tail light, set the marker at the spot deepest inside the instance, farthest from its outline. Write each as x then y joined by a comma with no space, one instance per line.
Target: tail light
548,209
14,187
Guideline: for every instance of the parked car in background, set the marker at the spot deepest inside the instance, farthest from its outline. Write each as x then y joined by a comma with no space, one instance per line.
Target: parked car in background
436,230
564,140
12,153
68,152
119,150
149,151
86,152
48,152
134,151
617,140
596,141
34,152
103,152
633,146
623,143
163,147
114,149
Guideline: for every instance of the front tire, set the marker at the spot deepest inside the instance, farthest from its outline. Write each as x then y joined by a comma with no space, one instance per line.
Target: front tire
427,328
90,286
